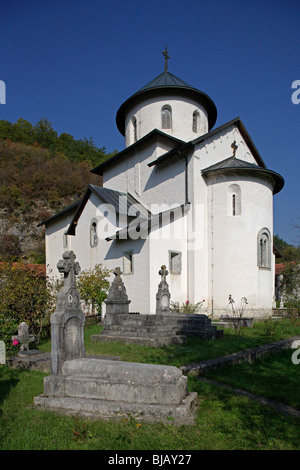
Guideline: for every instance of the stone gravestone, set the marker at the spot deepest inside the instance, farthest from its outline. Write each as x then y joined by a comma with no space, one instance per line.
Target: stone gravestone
67,322
100,388
23,337
117,299
163,294
2,353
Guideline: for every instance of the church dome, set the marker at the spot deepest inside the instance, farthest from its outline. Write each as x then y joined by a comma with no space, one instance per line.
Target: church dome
164,91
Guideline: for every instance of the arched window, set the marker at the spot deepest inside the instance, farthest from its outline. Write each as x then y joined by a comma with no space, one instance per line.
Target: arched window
234,200
264,248
233,204
134,129
93,233
196,121
65,240
166,117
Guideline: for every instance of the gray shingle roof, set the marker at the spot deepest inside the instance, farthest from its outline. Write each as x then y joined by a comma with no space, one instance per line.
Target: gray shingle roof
163,84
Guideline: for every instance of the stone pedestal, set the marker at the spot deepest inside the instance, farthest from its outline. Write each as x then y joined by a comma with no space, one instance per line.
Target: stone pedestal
117,299
100,388
67,322
163,295
113,389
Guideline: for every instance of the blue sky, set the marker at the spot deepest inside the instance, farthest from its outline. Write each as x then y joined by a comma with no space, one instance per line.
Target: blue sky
75,62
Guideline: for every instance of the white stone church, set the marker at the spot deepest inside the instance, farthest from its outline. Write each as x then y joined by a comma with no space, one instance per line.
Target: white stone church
184,194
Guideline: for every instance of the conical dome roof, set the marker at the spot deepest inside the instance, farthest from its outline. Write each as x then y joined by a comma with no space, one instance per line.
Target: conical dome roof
167,84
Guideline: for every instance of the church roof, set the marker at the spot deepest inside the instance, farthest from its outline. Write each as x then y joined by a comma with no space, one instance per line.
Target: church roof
231,162
153,134
69,208
121,202
167,84
187,146
234,164
152,222
165,79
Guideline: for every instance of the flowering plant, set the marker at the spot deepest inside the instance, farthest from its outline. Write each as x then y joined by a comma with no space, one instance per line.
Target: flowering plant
186,307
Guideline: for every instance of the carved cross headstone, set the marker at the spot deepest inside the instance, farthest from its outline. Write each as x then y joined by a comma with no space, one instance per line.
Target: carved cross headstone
67,322
117,299
23,337
163,273
163,295
69,267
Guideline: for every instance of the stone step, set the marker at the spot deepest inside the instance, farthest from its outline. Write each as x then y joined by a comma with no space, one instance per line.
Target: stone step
137,334
118,381
183,414
154,341
140,330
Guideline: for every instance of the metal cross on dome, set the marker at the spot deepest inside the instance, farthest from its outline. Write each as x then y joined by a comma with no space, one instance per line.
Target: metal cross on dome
167,57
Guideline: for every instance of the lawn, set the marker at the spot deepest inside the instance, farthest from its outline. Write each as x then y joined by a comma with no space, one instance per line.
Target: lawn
224,420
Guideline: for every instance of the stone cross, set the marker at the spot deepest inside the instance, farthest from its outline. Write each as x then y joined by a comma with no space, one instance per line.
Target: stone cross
24,337
234,147
163,295
117,272
163,273
69,267
167,57
117,299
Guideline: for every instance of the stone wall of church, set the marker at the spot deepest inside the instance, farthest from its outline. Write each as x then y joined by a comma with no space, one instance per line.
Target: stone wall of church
146,116
148,184
234,243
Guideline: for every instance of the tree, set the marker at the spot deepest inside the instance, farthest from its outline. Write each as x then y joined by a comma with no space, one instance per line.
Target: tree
93,285
44,133
22,131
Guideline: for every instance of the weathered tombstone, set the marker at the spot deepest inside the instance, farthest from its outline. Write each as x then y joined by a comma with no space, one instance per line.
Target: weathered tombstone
117,299
163,294
67,322
23,337
2,353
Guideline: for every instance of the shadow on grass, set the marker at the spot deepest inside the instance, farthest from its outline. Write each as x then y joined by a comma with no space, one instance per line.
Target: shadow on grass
9,378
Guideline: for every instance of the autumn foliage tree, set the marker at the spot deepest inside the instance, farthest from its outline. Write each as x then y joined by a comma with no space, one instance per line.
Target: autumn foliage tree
93,285
25,295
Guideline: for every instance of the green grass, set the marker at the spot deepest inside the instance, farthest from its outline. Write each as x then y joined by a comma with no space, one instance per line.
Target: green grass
224,420
194,350
274,377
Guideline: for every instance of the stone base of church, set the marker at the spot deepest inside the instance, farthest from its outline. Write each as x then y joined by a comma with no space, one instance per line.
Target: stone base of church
256,313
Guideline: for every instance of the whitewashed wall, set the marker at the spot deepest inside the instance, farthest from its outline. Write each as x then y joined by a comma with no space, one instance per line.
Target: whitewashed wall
153,185
148,117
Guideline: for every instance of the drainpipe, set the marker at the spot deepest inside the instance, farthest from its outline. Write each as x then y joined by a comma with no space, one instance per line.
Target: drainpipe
186,177
212,250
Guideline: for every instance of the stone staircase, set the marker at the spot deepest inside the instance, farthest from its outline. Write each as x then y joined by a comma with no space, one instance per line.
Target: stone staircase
155,330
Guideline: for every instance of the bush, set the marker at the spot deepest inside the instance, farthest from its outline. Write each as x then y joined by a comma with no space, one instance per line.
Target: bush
93,284
186,307
25,295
